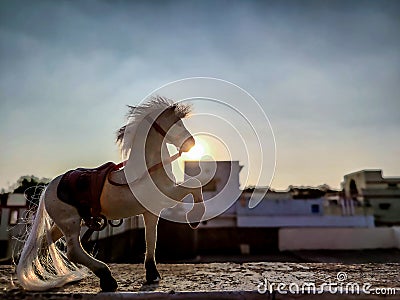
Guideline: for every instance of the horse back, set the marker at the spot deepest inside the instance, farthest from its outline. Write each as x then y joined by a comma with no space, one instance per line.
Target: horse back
82,188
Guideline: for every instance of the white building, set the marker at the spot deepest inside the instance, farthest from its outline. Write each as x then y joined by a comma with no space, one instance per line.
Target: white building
369,189
11,211
279,209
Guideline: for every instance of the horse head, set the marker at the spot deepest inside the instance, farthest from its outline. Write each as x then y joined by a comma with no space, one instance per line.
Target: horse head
170,125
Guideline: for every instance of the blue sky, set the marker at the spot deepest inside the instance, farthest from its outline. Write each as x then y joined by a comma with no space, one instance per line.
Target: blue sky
327,74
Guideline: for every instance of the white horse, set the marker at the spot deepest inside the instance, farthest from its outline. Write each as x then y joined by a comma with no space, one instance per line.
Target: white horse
44,264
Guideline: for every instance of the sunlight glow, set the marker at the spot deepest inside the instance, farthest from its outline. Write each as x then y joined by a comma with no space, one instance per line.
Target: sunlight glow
196,152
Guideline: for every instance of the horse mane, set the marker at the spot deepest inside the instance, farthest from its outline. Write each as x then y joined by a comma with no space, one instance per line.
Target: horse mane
136,114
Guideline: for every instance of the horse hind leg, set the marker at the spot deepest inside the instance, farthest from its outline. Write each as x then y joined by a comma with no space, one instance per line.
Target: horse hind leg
77,254
68,221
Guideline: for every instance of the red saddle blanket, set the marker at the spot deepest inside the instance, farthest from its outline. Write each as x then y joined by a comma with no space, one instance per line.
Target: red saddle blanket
82,188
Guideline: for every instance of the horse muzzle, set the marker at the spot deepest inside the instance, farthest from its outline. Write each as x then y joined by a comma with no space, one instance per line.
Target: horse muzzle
187,144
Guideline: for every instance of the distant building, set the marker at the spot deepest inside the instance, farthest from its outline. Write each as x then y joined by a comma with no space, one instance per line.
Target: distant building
12,209
286,209
296,207
256,230
369,189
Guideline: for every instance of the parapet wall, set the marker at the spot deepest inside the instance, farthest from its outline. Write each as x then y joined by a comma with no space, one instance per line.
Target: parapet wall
339,238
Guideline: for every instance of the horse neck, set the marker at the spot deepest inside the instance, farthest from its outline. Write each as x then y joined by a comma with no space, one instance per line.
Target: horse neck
148,146
153,148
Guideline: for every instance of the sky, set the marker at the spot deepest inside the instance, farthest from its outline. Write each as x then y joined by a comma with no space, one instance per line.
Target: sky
326,73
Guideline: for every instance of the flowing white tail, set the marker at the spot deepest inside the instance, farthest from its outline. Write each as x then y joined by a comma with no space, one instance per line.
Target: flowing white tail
42,265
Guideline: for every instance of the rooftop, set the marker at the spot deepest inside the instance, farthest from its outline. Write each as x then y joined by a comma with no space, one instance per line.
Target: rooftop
226,281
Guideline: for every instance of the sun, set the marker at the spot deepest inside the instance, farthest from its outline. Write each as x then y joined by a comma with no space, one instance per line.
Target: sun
196,152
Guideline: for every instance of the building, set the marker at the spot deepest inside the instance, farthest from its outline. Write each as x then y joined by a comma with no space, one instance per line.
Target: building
287,209
12,210
256,230
296,207
368,189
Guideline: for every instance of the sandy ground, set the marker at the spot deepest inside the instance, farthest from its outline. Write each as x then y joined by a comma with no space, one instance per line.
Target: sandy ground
215,277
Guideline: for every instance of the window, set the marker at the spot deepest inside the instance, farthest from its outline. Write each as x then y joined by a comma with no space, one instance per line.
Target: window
384,206
315,208
13,217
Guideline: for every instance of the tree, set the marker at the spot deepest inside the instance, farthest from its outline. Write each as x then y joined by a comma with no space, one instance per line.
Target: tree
29,185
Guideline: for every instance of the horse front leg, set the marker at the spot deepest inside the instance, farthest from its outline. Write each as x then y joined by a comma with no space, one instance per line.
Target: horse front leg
195,215
150,222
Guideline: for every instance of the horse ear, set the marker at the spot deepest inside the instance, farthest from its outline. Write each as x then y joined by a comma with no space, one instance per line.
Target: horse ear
131,110
172,108
120,134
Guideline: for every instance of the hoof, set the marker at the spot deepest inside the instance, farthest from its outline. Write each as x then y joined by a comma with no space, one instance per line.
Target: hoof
194,216
108,285
152,275
107,282
153,281
194,225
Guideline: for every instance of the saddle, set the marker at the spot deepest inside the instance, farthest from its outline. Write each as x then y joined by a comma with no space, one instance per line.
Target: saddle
82,188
